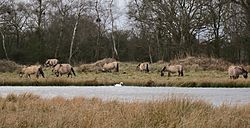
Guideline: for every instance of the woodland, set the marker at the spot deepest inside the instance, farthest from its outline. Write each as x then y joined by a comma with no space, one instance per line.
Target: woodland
83,31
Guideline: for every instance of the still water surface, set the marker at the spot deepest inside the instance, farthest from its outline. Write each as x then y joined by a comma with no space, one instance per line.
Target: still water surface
216,96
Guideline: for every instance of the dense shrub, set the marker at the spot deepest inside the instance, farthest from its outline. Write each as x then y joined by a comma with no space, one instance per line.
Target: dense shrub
8,66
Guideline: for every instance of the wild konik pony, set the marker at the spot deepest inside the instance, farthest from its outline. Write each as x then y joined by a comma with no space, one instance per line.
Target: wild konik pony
172,69
235,71
51,62
143,67
61,69
108,67
33,69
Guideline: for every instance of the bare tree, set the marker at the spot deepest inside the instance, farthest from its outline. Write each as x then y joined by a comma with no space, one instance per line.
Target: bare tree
78,15
40,12
169,23
245,5
63,8
216,12
4,21
115,52
4,47
98,20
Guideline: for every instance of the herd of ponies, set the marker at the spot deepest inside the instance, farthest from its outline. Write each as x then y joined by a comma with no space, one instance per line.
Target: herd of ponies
60,69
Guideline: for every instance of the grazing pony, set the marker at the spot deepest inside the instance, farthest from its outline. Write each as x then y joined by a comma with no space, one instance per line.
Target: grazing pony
61,69
143,67
108,67
51,62
235,71
33,69
172,69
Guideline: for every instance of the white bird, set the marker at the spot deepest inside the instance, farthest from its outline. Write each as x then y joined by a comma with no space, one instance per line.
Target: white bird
119,85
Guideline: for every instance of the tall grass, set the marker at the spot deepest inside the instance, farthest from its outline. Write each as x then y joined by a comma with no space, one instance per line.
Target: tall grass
29,110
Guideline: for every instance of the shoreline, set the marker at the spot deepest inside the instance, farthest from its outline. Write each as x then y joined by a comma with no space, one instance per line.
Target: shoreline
210,78
145,83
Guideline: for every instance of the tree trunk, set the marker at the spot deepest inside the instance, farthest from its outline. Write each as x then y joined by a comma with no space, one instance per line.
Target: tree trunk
17,38
159,52
17,33
115,52
248,32
98,20
40,22
149,53
73,36
4,48
59,40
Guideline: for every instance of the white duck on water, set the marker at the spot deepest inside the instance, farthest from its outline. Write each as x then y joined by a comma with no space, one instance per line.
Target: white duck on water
119,85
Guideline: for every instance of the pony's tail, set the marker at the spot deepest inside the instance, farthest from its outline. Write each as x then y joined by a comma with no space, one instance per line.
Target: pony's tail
147,69
117,67
73,71
41,72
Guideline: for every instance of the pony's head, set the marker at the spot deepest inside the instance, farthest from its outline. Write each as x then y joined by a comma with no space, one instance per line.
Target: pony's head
55,69
138,66
46,64
244,73
21,74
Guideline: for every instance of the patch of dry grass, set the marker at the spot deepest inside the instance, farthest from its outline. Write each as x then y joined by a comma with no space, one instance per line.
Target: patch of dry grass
29,110
203,63
8,66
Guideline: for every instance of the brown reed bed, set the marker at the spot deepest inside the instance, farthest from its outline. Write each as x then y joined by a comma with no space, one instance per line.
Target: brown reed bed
28,110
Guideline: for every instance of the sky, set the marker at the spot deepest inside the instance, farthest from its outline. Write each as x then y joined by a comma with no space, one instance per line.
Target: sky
122,21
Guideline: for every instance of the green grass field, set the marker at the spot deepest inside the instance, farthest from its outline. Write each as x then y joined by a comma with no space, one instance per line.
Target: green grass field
130,77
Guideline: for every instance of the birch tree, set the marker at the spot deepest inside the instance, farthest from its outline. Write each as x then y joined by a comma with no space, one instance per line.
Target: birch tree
74,31
115,52
62,7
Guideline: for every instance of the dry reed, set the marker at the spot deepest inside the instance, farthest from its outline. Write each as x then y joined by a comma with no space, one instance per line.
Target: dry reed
27,110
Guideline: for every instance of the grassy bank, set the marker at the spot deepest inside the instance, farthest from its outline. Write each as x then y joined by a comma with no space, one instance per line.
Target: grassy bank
130,77
194,76
28,110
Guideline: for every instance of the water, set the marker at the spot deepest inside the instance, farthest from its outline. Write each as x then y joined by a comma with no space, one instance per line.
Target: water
216,96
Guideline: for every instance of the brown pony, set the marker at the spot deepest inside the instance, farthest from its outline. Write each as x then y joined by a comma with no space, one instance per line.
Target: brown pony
143,67
110,66
33,69
51,62
61,69
235,71
172,69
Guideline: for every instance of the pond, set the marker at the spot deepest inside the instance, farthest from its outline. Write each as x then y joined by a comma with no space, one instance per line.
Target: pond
216,96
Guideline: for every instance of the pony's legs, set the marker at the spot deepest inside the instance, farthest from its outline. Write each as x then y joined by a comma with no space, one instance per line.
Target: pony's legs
182,73
70,74
168,74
